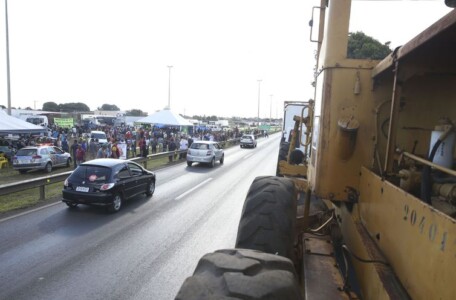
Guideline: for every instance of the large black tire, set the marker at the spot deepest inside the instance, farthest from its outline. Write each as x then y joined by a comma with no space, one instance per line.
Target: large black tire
283,153
241,274
269,216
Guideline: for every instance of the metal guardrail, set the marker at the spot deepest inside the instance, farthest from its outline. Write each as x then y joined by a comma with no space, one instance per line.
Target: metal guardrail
42,182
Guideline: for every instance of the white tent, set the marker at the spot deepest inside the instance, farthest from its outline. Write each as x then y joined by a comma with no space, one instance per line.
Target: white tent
164,117
12,125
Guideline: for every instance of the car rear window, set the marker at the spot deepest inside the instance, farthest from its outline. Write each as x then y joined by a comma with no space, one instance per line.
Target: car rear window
91,174
199,146
247,137
26,152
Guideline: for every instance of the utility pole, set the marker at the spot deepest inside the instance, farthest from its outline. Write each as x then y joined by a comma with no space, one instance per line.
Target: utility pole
258,120
270,111
7,59
169,87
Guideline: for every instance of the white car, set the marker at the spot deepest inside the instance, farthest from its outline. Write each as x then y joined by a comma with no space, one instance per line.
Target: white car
207,152
100,135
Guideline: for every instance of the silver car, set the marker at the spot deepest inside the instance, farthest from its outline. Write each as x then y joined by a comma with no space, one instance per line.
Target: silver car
205,152
41,158
248,140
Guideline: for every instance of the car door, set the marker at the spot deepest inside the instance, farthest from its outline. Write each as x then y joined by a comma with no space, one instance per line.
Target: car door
218,151
59,159
125,182
140,179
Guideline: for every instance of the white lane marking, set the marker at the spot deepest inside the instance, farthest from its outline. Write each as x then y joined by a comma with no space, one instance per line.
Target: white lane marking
192,189
248,155
30,211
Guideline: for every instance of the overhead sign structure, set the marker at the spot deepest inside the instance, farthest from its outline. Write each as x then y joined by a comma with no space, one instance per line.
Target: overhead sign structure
64,122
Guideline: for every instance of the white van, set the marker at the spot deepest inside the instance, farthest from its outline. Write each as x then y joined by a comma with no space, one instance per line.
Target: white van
36,119
100,135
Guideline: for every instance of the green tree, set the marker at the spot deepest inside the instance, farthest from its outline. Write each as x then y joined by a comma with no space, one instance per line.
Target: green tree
74,106
361,46
135,113
51,106
110,107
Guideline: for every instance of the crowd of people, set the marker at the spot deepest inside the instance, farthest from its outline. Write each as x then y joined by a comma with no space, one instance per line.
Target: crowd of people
125,141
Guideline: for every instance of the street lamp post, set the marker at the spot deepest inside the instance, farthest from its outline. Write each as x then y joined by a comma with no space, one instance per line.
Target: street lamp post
258,120
7,60
270,111
169,87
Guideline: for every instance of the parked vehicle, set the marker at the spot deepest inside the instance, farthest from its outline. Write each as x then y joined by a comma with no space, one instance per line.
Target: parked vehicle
40,158
100,135
207,152
107,182
248,140
369,213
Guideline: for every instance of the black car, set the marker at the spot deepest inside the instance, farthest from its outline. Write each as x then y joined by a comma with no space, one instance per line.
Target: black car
107,182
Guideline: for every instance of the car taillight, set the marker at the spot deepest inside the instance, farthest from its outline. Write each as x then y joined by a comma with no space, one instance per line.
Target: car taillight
209,153
36,156
106,186
15,157
66,182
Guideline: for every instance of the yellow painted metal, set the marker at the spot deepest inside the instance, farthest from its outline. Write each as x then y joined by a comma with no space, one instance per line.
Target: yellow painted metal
418,241
287,169
371,283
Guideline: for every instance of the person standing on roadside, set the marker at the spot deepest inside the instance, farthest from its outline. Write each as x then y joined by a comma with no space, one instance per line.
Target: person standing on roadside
74,148
171,148
115,152
92,149
80,155
102,152
183,146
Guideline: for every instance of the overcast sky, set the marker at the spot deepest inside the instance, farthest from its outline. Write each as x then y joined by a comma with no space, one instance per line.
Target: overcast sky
117,52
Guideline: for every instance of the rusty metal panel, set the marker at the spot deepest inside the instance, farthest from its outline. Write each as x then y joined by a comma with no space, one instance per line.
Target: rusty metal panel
418,241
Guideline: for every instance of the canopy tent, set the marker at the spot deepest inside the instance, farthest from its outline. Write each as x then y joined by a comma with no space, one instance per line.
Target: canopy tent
164,118
12,125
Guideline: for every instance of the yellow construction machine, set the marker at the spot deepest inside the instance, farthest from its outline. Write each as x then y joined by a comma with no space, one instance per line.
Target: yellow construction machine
367,210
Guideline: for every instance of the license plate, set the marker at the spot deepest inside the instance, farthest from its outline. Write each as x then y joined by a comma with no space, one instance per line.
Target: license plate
82,189
24,161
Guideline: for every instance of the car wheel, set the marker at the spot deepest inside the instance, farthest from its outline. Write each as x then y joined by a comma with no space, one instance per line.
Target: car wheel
246,274
116,204
68,164
48,168
71,205
150,189
189,163
222,159
212,164
269,216
22,171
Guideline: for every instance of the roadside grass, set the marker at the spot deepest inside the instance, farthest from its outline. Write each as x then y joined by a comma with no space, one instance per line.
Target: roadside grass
28,198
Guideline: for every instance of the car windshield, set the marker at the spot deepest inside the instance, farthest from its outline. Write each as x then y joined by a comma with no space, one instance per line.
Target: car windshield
26,152
199,146
99,136
91,174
